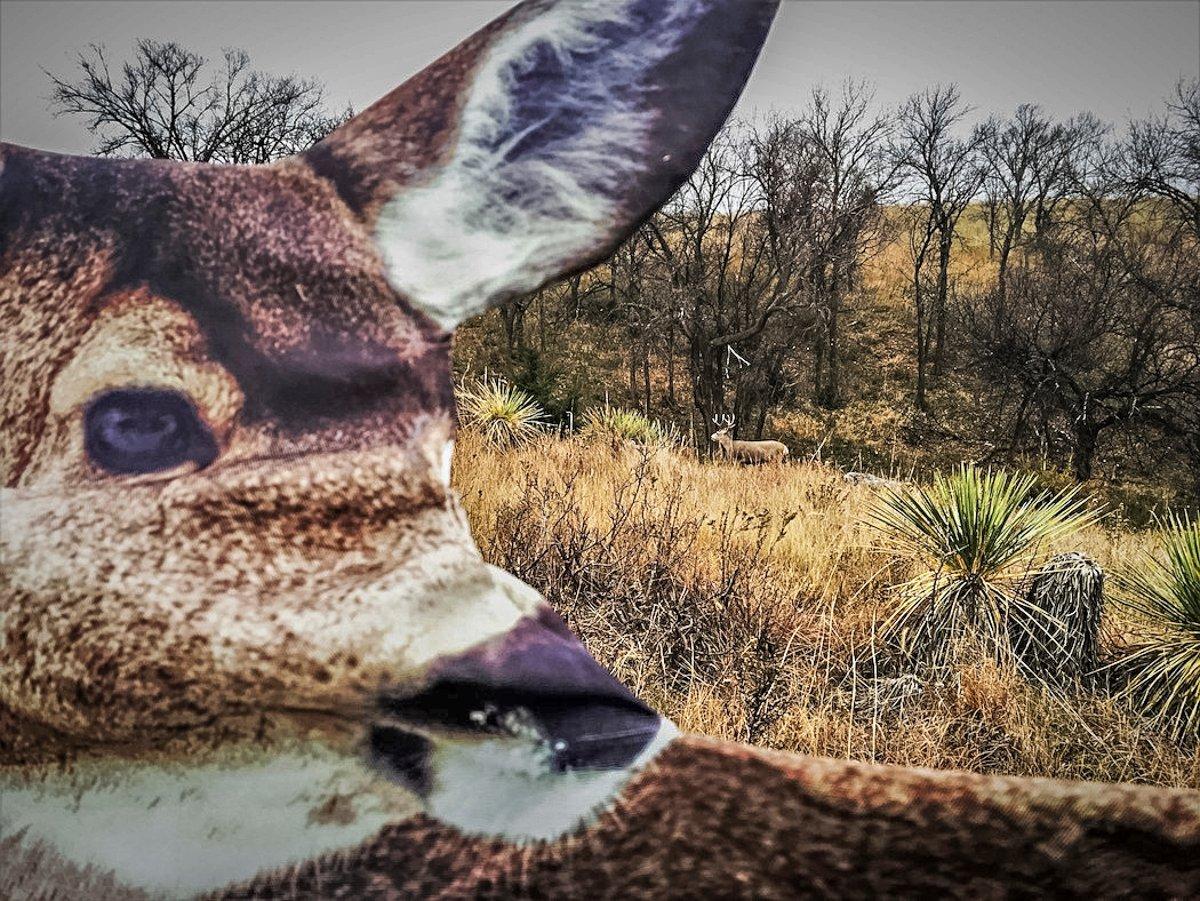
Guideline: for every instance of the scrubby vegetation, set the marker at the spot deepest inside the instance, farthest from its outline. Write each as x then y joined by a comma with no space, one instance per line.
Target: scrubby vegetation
1164,662
976,535
748,603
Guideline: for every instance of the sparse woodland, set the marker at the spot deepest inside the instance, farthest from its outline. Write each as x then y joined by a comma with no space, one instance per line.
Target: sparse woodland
898,293
901,296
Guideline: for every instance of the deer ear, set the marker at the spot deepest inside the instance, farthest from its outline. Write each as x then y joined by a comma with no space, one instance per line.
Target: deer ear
535,146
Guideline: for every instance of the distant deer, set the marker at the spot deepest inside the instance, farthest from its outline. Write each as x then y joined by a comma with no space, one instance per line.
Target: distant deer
248,646
746,451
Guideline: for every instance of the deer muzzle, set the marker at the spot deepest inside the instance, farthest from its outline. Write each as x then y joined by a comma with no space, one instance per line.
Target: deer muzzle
536,684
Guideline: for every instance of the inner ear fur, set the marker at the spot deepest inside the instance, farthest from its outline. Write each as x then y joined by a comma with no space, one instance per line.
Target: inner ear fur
538,144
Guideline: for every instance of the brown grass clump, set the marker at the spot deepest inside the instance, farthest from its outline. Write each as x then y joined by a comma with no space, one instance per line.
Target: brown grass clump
746,604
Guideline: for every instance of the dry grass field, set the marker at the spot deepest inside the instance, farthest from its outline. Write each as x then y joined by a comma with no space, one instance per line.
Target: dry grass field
745,603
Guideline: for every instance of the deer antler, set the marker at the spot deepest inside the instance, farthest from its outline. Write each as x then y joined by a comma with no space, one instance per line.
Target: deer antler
724,420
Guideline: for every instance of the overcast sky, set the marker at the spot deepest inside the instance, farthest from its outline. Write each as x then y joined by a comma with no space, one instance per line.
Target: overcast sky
1116,59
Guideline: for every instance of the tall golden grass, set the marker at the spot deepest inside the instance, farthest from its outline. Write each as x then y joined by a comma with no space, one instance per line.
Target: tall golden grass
746,603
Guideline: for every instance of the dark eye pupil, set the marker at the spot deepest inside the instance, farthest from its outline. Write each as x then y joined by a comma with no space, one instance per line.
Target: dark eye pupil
143,430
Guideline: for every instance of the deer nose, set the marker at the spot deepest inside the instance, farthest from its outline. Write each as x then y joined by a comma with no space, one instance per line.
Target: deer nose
536,681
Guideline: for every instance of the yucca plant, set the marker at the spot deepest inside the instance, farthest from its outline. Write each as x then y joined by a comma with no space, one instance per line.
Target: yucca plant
505,415
977,534
1070,588
616,424
1163,666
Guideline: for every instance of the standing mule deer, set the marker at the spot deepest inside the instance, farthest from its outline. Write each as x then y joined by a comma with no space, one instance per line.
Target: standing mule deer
746,451
247,645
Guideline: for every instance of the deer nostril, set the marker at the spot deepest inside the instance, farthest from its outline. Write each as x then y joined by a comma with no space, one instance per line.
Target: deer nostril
403,754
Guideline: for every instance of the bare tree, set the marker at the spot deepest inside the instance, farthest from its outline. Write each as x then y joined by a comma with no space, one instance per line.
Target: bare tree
850,140
1095,331
167,103
725,275
512,318
1161,161
943,174
786,173
1029,173
1164,156
695,239
633,296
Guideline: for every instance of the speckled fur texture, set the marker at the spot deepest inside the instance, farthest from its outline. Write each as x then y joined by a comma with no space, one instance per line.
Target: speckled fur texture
225,632
714,820
145,601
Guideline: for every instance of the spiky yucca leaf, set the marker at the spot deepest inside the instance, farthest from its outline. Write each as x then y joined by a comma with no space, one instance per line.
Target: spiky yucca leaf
976,533
618,424
504,414
1164,666
1070,587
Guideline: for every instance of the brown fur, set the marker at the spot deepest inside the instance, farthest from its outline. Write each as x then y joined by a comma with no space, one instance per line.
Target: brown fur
720,820
281,346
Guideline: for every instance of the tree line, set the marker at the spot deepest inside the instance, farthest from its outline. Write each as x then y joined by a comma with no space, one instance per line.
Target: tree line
1048,271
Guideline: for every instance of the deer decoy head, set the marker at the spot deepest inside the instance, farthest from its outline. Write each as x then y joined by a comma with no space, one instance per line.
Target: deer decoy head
243,621
234,572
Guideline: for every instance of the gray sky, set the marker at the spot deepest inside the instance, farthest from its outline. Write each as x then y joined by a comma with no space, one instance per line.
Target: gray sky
1116,59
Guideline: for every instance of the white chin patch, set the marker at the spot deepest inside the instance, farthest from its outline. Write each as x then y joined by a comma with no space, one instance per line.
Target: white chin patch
506,788
181,830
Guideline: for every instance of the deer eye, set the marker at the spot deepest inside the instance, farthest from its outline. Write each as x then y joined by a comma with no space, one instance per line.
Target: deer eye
143,430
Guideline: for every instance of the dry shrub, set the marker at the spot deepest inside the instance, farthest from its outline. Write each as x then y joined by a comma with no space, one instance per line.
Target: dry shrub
713,620
746,604
1163,663
1069,590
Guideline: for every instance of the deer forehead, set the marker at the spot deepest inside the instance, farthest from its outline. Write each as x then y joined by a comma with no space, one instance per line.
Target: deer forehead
283,252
